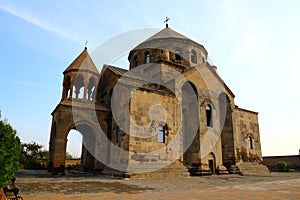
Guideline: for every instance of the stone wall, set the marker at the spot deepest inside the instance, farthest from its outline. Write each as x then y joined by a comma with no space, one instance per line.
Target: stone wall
271,161
149,111
72,161
246,125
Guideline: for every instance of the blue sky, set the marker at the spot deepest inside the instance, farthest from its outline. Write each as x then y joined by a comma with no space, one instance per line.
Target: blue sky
255,45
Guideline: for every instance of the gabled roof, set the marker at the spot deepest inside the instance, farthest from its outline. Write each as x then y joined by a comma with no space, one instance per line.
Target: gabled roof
116,70
83,63
130,79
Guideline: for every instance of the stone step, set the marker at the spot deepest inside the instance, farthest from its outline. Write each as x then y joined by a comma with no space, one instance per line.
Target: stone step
247,168
172,170
234,169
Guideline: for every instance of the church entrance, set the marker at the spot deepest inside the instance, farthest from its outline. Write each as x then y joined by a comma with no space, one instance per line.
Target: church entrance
212,163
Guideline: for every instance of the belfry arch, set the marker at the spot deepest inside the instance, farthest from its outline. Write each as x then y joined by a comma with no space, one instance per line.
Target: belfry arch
59,134
89,144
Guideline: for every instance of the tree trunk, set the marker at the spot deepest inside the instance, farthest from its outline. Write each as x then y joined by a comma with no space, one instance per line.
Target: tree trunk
2,195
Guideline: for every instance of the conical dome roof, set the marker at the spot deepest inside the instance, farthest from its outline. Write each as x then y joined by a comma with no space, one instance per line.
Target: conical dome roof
83,63
166,33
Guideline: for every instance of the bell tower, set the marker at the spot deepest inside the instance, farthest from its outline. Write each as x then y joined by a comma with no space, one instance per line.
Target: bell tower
80,78
78,96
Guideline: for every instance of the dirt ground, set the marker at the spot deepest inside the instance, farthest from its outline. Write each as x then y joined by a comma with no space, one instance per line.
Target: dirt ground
42,185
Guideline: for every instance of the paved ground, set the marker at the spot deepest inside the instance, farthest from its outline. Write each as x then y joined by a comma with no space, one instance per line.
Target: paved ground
40,185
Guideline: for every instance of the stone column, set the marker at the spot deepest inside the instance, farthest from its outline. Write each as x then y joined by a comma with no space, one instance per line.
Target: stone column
59,155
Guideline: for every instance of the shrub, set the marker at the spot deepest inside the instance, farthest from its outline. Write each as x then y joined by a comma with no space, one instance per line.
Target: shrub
10,151
283,166
33,156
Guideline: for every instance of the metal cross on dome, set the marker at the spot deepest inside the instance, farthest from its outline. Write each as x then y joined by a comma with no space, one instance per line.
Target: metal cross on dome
166,21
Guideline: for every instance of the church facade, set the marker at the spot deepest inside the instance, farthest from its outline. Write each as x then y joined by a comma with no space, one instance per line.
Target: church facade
170,114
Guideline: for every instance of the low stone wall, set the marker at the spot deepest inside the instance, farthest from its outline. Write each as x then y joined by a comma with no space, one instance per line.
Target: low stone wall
271,161
73,161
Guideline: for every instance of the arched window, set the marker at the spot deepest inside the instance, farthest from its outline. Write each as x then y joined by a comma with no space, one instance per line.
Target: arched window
135,61
250,142
161,134
91,89
79,86
193,56
147,57
178,54
67,87
209,121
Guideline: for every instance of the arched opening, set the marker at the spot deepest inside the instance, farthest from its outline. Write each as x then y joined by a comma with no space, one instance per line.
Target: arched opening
67,87
81,143
190,124
178,54
79,87
209,121
147,57
250,142
193,56
91,89
135,61
74,144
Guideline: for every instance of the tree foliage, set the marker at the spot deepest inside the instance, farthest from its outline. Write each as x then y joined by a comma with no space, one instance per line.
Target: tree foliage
10,151
68,155
33,156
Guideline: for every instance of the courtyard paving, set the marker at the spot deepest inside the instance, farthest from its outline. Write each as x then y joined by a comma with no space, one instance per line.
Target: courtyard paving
41,185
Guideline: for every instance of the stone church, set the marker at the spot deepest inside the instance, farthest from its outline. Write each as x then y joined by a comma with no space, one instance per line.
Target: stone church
169,114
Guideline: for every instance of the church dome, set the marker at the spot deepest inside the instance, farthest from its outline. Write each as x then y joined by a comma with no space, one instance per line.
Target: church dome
168,45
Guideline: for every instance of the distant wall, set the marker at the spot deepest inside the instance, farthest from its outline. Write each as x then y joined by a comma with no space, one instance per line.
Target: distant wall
271,161
73,161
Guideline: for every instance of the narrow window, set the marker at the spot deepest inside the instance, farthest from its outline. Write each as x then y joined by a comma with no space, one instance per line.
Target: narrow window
194,57
161,134
135,61
209,121
147,57
118,134
250,142
178,54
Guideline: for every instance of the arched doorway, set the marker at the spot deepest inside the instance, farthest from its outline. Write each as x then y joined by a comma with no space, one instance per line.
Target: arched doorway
74,144
59,142
88,145
212,163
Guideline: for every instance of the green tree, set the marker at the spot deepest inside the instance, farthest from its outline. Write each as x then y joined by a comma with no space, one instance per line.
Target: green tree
68,156
10,151
33,156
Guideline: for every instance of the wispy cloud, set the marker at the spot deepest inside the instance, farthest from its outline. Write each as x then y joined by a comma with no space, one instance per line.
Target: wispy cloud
43,24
